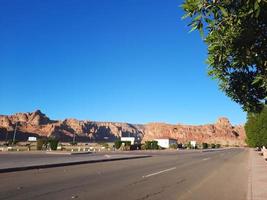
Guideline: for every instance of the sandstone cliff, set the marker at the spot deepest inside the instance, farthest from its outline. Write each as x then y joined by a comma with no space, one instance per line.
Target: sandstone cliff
38,124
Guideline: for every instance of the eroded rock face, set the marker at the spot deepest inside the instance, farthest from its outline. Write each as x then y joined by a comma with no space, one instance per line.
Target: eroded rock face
221,132
39,124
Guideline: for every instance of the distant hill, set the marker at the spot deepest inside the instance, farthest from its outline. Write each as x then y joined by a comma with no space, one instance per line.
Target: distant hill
38,124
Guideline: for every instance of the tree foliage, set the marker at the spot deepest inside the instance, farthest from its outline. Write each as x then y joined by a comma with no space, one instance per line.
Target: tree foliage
236,34
151,145
117,144
41,143
53,143
256,129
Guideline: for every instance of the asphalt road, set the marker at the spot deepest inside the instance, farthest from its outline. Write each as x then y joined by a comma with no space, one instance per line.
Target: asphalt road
166,175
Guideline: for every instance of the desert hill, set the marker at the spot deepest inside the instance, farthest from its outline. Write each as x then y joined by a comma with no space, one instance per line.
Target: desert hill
38,124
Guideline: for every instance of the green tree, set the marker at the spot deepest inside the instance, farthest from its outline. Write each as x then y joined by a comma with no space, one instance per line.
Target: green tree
151,145
53,143
117,144
205,145
41,143
256,129
236,34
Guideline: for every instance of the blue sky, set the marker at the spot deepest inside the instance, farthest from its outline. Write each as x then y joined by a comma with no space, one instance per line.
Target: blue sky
107,60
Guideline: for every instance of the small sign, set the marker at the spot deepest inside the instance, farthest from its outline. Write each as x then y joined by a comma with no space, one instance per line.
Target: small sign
32,139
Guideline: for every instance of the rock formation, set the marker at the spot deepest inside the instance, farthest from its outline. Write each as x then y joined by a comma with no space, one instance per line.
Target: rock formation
38,124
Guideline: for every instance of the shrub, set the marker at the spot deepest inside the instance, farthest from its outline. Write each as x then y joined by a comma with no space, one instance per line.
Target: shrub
117,144
154,145
205,145
218,146
147,145
104,144
126,148
41,143
256,129
151,145
135,147
143,147
180,146
126,143
53,142
213,146
173,146
188,145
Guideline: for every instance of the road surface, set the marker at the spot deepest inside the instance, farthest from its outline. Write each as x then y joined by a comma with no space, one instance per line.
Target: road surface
166,175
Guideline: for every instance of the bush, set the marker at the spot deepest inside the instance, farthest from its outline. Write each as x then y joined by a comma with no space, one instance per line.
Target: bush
117,144
180,146
188,145
53,142
104,144
126,143
213,146
151,145
218,146
205,145
256,129
135,147
143,147
41,143
173,146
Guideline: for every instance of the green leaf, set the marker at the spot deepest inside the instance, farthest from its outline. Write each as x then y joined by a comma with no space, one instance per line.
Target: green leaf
256,5
193,28
224,12
186,16
257,12
197,18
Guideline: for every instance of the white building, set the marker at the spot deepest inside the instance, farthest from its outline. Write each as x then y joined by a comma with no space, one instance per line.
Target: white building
32,139
128,139
193,144
166,142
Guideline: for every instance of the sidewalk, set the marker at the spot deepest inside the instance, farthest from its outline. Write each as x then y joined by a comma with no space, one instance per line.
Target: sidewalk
39,161
257,189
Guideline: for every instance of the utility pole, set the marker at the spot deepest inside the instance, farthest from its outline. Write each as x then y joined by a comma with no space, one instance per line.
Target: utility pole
14,135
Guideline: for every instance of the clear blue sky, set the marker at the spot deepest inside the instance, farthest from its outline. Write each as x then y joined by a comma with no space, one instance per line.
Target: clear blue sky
106,60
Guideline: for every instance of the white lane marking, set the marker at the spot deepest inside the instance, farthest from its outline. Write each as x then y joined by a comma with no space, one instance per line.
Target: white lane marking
206,158
107,156
159,172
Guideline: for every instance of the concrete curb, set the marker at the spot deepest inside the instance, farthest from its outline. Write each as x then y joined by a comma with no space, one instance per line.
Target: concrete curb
68,153
249,194
24,168
214,150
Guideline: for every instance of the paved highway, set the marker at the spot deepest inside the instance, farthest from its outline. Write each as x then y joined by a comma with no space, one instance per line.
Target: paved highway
166,175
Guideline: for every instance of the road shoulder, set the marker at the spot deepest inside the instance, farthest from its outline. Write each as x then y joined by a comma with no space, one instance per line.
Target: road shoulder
257,177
